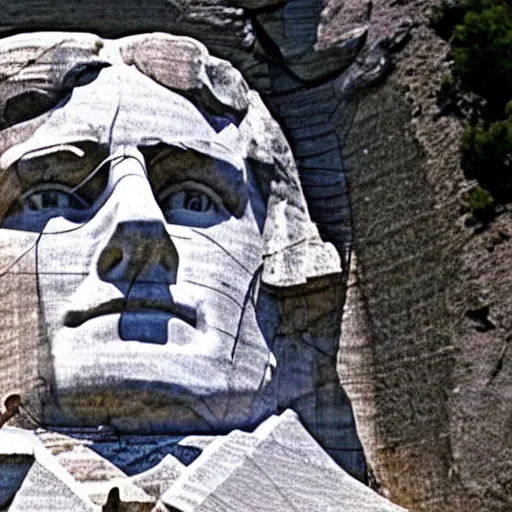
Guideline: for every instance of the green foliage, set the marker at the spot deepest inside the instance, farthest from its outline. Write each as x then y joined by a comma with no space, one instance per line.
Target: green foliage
481,37
508,109
482,49
487,156
446,15
447,84
481,204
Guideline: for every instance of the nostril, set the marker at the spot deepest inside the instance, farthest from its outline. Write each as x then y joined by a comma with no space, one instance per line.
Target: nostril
166,264
138,250
109,259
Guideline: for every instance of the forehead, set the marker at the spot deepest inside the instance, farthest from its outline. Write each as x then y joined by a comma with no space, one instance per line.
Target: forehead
123,107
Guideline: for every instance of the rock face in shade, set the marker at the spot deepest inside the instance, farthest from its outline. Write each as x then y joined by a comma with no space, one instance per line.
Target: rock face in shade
293,29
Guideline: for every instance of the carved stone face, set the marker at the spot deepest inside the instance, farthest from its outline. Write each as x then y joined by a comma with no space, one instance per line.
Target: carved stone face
148,231
148,255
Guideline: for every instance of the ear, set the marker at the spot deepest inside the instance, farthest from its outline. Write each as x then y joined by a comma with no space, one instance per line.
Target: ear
294,251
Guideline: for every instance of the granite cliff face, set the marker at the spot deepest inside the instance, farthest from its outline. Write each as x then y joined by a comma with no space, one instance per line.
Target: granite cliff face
424,352
428,306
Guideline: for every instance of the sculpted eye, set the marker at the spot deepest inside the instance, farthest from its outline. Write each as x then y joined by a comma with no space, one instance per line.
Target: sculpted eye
189,196
52,197
188,200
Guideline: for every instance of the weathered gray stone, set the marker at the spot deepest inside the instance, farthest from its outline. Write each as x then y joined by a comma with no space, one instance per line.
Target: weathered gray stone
96,476
185,64
200,442
47,487
122,494
79,459
279,467
293,28
159,507
157,480
339,19
225,28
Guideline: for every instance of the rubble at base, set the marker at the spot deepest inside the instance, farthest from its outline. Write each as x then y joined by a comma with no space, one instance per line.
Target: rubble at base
278,467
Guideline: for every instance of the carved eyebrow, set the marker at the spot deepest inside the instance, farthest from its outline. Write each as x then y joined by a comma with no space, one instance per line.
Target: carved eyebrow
81,164
52,150
98,168
18,152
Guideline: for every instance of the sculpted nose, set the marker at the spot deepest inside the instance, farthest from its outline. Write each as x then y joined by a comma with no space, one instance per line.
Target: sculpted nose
140,247
139,250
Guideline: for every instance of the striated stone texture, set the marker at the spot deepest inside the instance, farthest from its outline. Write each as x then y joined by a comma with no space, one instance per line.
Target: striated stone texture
46,486
157,480
429,384
278,467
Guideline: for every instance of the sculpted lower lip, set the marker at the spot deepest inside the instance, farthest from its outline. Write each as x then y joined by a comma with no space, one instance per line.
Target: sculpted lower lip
146,308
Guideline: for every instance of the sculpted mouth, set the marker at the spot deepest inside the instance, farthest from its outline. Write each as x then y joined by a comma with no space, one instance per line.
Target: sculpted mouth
141,306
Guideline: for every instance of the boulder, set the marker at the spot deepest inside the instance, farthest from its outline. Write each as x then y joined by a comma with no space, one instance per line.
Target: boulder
278,467
157,480
48,487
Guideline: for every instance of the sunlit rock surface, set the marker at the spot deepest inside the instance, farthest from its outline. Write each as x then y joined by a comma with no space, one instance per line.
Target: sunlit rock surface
279,467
